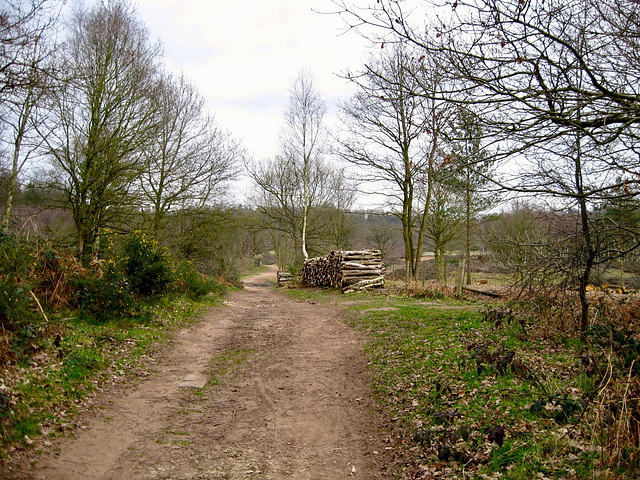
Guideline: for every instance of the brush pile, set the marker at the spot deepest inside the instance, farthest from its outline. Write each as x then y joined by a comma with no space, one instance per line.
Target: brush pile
350,271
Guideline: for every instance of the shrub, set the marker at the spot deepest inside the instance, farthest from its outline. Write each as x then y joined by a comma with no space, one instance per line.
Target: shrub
147,266
16,258
18,317
192,283
104,295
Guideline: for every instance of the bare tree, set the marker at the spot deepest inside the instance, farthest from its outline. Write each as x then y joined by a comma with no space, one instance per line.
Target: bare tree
281,199
22,25
189,160
382,232
276,198
519,238
104,116
393,132
26,37
297,190
556,83
339,225
303,140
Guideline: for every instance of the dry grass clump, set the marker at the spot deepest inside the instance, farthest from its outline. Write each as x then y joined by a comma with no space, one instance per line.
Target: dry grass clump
617,423
621,311
53,274
557,311
430,289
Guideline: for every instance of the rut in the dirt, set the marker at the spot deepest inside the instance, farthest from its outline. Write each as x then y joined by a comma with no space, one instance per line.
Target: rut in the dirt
292,401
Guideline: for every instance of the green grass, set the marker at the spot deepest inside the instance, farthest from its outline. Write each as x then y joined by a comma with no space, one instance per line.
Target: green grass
314,294
223,364
182,443
430,377
255,270
166,439
46,389
176,432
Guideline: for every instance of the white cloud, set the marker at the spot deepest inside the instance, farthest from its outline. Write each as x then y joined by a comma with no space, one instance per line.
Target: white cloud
244,55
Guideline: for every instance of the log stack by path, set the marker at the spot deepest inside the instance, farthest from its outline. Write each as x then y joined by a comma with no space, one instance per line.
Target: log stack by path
285,278
348,270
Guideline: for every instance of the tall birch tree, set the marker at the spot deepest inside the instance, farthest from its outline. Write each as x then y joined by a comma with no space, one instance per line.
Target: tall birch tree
303,141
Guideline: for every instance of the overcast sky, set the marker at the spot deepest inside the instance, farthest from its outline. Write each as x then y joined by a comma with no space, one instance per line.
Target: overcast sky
244,55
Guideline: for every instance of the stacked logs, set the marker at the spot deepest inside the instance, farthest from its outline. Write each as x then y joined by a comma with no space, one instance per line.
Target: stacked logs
285,278
350,271
361,270
321,271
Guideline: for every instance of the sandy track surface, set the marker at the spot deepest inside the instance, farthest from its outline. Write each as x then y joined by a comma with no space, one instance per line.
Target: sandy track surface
292,402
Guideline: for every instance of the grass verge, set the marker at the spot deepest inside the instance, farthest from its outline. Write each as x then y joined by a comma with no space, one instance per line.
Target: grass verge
39,397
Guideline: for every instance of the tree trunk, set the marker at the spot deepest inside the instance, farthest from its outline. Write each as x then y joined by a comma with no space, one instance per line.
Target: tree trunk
407,230
427,206
80,243
15,161
584,301
8,205
305,210
438,254
589,252
158,220
305,254
468,215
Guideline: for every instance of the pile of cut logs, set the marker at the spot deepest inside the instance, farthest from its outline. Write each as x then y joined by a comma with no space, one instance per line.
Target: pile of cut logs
350,271
285,278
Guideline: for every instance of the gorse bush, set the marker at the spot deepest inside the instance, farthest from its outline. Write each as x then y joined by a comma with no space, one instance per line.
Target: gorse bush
146,265
16,258
19,318
142,270
105,294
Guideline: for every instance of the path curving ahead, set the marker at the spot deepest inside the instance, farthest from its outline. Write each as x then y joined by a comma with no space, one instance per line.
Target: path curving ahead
294,403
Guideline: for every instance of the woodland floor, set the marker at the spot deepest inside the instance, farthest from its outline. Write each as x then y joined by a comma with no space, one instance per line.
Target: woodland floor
265,387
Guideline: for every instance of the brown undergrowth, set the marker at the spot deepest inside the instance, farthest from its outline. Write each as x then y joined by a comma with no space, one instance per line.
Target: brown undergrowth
610,356
517,391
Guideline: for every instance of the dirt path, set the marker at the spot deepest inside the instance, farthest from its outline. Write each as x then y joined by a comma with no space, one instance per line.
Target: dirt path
294,403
